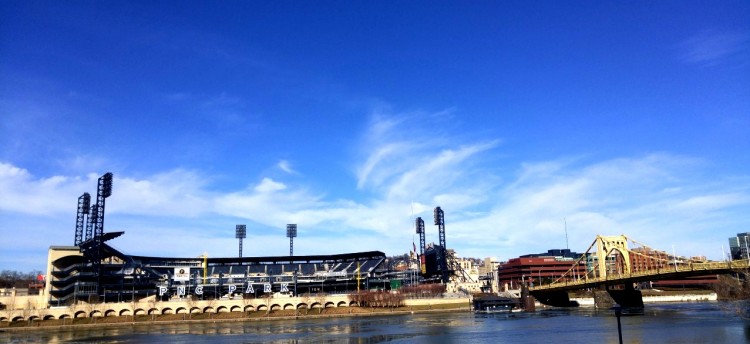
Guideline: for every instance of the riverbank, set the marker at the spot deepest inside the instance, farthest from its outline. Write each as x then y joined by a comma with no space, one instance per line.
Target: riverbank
423,306
411,306
693,322
661,297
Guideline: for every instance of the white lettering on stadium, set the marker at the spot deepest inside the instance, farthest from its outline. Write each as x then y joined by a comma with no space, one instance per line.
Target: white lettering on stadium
182,290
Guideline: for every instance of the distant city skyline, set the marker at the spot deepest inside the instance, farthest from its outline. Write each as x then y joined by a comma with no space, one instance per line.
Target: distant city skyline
351,119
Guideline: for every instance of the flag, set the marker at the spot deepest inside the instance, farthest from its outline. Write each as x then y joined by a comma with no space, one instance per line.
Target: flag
415,246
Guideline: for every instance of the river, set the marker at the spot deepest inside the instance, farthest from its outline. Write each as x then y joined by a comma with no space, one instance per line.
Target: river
659,323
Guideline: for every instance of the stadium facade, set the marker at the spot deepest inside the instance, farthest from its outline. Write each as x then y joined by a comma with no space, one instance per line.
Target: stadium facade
92,270
120,277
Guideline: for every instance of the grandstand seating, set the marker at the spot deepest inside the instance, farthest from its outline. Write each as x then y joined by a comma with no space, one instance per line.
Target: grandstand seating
72,276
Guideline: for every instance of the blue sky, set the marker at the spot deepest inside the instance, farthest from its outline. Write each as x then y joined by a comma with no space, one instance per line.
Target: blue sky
352,118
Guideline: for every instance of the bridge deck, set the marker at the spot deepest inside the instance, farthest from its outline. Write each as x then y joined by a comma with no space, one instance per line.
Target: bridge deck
679,271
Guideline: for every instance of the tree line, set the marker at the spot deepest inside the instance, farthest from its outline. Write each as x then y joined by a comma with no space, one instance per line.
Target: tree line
17,279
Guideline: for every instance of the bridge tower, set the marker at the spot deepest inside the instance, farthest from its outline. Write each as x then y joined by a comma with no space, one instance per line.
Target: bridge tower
606,245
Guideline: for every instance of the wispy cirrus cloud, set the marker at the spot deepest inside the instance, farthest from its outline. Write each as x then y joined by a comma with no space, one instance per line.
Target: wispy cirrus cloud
711,48
217,112
657,199
403,155
286,166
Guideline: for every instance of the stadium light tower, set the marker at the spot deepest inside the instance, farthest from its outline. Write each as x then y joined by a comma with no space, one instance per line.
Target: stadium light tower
291,233
103,191
240,233
420,231
442,262
84,204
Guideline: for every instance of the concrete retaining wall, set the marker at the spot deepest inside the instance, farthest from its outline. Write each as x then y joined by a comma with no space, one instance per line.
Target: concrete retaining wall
589,301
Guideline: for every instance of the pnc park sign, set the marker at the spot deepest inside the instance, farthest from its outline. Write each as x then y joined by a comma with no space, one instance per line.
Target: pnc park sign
183,274
182,290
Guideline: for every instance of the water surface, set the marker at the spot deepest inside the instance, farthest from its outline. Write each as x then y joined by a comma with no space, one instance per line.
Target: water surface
659,323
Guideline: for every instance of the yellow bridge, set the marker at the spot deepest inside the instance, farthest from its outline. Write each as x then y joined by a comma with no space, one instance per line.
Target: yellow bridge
620,261
680,271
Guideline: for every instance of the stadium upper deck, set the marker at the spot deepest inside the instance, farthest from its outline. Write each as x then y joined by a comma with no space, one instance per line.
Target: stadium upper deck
122,277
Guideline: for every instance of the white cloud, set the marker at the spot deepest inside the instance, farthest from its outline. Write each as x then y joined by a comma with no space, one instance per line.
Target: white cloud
174,193
619,196
379,156
23,193
269,186
269,202
705,203
659,199
286,167
437,171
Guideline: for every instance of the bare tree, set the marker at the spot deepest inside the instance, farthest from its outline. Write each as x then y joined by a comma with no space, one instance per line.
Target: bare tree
152,302
16,279
211,302
321,299
357,297
423,290
27,311
735,289
268,297
40,312
91,306
247,299
191,301
306,298
378,299
10,308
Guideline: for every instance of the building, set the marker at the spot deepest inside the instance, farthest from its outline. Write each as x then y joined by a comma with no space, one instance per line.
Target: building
465,278
646,259
116,277
561,253
490,266
540,268
738,246
93,271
